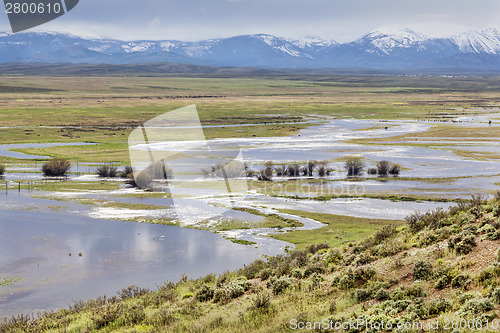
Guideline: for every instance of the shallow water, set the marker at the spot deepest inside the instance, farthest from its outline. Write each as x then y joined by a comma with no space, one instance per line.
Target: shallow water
114,254
5,150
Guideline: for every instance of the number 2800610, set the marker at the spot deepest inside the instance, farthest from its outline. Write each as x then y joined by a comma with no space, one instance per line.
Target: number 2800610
32,8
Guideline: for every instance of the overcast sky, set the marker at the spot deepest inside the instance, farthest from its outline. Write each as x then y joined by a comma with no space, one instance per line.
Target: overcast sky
341,20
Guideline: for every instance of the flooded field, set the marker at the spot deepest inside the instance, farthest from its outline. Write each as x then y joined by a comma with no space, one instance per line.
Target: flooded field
78,237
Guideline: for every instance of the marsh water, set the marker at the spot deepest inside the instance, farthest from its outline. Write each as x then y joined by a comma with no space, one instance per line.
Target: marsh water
62,257
64,252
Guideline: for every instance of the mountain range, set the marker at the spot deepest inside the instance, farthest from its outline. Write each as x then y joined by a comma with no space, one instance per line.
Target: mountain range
400,49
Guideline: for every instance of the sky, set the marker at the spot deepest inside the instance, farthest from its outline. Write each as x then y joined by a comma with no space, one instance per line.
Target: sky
340,20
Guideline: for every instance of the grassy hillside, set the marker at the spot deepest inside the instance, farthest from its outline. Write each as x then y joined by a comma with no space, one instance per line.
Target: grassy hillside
441,269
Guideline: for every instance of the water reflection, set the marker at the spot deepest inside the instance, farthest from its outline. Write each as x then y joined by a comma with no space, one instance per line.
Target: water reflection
64,258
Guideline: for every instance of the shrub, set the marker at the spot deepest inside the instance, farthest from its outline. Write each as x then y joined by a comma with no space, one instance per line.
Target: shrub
296,273
356,278
496,210
460,281
363,295
323,169
2,169
442,282
475,306
489,275
386,232
381,294
383,168
394,169
206,293
438,306
265,174
281,284
419,308
265,273
313,248
372,171
354,166
262,301
401,305
422,270
463,242
106,171
56,167
415,291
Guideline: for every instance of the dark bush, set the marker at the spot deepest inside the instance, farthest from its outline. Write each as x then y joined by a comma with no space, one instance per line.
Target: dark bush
323,169
463,242
293,170
206,293
401,305
262,301
394,169
265,174
381,294
252,270
490,275
281,284
313,248
476,306
495,296
386,232
383,168
372,171
354,166
422,270
56,167
363,295
460,281
108,171
2,169
442,282
438,306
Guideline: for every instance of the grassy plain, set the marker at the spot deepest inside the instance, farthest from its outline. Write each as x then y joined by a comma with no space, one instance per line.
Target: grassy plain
338,230
105,109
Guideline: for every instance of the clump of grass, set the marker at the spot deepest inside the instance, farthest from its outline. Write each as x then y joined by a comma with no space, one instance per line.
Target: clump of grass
56,167
107,171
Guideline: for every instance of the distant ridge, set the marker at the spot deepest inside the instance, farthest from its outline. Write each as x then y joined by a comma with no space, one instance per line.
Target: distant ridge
400,49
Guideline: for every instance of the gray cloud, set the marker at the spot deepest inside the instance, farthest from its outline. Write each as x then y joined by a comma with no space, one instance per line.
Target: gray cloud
342,20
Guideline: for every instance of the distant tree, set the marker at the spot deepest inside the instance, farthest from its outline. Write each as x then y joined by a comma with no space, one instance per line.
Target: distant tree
394,169
311,165
2,169
383,168
265,174
354,166
56,167
107,171
293,170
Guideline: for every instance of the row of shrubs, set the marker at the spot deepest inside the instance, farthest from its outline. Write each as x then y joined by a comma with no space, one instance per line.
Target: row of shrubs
354,167
58,167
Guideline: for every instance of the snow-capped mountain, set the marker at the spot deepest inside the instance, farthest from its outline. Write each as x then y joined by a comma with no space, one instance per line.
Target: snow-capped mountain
394,49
